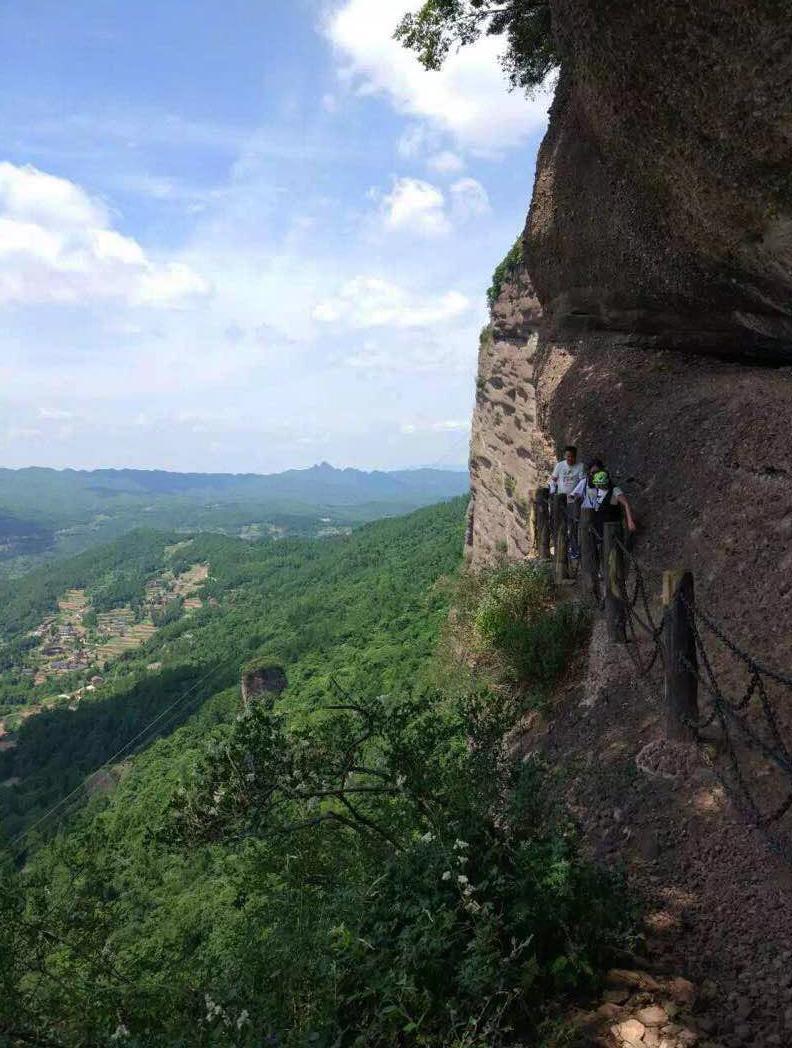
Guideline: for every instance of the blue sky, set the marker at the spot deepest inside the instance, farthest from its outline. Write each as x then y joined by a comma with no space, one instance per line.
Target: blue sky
246,235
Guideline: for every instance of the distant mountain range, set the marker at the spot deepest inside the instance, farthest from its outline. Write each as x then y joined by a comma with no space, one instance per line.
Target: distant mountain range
46,512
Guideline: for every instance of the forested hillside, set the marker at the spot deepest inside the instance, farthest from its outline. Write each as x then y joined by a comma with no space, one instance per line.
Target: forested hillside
48,512
356,861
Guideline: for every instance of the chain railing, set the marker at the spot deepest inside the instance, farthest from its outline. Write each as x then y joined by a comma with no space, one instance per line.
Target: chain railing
748,722
744,735
640,624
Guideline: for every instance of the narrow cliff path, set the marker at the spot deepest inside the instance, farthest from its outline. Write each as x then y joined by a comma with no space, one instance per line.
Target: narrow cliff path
718,905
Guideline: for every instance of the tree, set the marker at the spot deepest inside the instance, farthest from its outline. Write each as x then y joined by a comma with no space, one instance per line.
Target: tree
442,25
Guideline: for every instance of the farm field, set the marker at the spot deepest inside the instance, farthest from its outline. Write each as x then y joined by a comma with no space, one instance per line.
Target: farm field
68,652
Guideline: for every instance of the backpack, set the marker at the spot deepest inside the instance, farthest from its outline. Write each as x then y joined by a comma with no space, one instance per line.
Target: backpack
607,512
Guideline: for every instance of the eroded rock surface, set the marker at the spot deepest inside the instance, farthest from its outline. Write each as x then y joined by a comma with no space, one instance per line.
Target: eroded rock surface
663,197
509,455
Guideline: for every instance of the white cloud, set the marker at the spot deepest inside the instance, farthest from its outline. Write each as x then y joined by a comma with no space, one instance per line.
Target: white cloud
467,98
370,302
446,163
416,140
56,414
442,426
419,208
57,245
415,206
469,199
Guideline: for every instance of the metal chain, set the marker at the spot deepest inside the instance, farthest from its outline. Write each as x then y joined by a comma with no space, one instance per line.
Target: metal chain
730,713
709,621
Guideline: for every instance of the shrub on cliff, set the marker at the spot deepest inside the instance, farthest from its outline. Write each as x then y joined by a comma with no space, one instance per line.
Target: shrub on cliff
442,901
513,620
504,270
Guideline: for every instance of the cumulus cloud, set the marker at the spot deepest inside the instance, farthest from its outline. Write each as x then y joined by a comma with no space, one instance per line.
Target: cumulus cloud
415,206
57,244
469,199
446,163
370,302
419,208
468,98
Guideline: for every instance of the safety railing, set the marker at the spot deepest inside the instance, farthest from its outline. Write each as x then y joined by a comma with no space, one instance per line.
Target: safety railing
714,693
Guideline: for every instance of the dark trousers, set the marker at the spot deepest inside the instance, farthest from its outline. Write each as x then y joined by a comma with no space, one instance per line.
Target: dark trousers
566,511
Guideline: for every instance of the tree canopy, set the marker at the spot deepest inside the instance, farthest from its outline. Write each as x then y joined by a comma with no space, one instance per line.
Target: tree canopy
360,861
440,26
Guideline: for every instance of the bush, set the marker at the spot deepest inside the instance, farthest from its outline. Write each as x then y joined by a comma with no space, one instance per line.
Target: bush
518,620
457,911
504,270
473,941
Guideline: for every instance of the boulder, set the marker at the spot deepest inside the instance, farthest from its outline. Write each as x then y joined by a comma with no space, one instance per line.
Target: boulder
262,680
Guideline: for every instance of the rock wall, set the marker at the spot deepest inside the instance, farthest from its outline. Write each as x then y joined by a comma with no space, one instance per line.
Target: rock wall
702,447
658,278
663,198
509,454
704,450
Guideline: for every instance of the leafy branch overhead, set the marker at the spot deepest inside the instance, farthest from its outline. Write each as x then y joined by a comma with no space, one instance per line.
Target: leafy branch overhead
439,27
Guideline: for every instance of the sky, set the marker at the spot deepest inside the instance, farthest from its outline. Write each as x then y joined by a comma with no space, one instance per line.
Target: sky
246,236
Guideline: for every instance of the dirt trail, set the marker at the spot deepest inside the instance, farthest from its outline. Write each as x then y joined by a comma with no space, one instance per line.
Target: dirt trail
718,902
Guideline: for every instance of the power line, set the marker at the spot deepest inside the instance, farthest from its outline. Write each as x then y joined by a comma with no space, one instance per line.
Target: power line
115,756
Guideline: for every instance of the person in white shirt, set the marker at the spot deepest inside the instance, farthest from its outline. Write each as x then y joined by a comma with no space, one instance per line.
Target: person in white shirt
567,473
563,480
597,492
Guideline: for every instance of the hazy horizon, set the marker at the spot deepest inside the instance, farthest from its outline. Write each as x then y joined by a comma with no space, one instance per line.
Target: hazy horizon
445,467
279,260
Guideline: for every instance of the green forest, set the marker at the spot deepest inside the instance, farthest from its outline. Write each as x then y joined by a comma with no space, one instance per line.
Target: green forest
48,513
357,860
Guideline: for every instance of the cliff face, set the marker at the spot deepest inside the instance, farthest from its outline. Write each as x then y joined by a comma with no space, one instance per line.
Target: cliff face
657,290
659,239
509,454
663,198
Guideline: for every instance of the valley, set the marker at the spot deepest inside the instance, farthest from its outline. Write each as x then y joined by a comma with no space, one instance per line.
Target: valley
48,514
150,812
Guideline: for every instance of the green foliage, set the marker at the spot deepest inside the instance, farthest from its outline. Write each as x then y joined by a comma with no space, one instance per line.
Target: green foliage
357,863
442,26
504,270
47,514
24,601
512,618
170,613
357,603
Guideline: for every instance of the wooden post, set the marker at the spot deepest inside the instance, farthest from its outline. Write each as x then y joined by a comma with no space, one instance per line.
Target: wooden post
561,552
589,561
542,520
681,665
613,574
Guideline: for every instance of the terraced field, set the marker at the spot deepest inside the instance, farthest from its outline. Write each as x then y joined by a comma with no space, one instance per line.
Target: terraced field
66,645
122,633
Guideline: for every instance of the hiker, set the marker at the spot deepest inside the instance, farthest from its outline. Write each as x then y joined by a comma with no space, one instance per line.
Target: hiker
566,473
598,492
564,479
